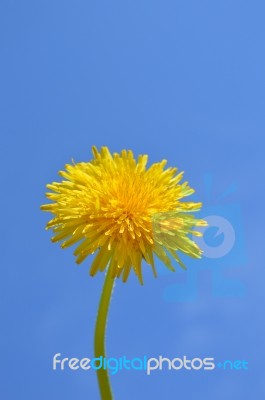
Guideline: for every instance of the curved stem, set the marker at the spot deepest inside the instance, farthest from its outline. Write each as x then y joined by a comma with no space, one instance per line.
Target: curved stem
100,331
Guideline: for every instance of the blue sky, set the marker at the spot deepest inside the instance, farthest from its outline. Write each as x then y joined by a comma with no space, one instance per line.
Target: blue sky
177,80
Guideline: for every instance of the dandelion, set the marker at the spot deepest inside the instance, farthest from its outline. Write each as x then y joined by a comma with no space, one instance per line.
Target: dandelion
126,212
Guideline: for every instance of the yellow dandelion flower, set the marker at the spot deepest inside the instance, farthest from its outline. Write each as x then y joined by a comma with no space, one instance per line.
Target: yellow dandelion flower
125,211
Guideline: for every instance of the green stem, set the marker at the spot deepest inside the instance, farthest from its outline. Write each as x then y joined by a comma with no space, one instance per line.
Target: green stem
100,331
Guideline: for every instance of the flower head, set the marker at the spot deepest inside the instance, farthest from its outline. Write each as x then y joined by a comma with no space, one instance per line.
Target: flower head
125,211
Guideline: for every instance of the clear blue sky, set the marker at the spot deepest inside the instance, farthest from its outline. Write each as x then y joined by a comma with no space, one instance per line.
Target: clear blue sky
181,80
